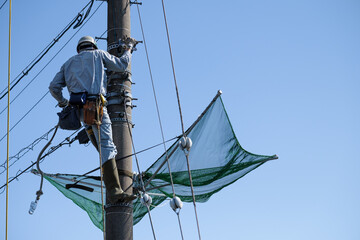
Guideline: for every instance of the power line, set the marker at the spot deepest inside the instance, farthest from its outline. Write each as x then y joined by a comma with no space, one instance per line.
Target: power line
3,4
79,19
26,114
53,149
158,113
181,118
66,141
26,149
44,68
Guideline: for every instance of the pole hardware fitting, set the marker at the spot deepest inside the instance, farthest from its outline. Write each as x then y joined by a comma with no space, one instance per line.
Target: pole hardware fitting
113,84
128,103
119,204
136,2
122,120
185,143
128,94
119,114
100,38
125,76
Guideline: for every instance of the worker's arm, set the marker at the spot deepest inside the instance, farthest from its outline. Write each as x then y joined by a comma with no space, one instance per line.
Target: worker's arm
114,63
56,87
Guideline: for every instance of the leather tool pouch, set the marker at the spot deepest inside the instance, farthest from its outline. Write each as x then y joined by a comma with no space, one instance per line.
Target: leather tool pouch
93,112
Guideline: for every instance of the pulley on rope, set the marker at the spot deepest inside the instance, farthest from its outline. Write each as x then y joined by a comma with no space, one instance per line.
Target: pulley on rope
185,143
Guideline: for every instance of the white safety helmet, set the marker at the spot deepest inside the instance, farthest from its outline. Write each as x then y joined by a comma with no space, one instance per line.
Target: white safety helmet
84,40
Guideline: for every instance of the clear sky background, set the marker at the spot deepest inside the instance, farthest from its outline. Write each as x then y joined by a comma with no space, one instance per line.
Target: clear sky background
290,76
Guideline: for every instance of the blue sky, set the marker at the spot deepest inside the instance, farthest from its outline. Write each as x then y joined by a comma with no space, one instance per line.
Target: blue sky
289,72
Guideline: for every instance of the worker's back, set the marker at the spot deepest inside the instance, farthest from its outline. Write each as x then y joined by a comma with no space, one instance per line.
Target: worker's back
85,72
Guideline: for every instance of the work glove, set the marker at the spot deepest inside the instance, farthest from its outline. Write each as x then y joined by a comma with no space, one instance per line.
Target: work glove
63,103
128,44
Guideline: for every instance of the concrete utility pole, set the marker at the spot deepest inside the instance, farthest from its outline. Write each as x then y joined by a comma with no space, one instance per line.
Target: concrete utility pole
119,217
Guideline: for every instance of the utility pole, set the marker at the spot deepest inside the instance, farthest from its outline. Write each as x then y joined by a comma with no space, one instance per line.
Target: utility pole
119,217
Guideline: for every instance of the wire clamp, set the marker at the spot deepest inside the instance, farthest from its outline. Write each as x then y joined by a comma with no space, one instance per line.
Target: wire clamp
135,2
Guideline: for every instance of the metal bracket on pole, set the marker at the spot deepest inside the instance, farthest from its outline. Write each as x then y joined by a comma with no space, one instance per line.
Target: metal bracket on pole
136,2
100,38
119,204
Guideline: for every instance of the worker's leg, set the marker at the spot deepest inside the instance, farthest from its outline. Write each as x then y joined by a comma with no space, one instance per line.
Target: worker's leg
108,153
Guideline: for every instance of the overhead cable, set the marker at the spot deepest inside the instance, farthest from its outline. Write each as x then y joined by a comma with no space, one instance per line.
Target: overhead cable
46,66
181,118
25,150
158,113
25,115
78,20
138,167
66,141
53,149
3,4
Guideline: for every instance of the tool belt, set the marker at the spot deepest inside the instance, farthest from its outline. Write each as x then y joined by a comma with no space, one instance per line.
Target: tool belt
93,110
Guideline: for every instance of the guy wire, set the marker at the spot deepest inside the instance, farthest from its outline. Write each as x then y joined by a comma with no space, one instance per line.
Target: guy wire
181,117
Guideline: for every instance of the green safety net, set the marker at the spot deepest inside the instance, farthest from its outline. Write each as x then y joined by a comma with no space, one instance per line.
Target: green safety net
216,160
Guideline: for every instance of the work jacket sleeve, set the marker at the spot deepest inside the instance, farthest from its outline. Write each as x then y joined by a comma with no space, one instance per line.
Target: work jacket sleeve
114,63
57,85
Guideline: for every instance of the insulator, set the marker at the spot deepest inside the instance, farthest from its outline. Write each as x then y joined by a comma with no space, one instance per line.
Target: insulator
33,206
185,143
176,203
146,200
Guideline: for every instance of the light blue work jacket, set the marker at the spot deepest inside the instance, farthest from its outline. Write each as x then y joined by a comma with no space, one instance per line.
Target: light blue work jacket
85,72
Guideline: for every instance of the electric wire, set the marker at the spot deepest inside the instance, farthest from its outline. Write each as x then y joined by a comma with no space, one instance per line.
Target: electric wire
79,19
52,58
138,167
3,4
66,141
158,111
45,137
181,117
8,128
48,64
40,192
25,114
25,150
130,155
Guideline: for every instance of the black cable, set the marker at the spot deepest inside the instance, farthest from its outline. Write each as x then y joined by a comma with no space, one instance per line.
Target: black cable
26,149
3,4
47,65
40,192
158,114
79,19
51,150
181,118
138,167
130,155
25,114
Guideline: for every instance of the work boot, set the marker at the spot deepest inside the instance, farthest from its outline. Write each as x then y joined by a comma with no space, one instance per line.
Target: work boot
112,183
